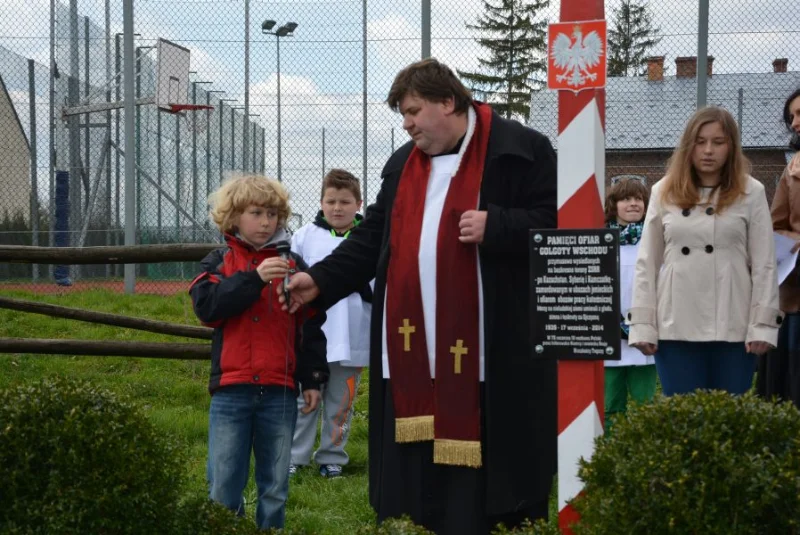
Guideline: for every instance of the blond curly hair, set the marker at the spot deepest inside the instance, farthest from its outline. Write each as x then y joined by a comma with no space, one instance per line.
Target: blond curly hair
239,192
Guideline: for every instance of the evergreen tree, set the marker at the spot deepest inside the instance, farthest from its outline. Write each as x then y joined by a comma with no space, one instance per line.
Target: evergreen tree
631,35
516,43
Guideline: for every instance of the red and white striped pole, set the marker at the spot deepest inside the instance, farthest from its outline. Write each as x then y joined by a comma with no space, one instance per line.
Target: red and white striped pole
581,189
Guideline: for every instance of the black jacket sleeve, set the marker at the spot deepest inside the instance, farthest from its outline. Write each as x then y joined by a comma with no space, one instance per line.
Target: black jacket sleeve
507,229
366,293
216,298
311,344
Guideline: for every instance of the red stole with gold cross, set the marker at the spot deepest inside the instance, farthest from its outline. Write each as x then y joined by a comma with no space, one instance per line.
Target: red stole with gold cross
446,410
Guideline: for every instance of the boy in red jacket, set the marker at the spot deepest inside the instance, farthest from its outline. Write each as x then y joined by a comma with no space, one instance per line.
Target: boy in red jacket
259,352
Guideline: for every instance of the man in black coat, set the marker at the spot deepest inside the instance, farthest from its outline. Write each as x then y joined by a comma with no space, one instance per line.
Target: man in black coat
463,428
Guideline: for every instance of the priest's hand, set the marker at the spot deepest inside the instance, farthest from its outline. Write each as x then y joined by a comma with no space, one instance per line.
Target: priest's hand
311,397
302,290
472,226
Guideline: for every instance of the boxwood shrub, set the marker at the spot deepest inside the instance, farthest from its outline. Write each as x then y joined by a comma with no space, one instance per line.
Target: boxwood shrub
706,462
76,459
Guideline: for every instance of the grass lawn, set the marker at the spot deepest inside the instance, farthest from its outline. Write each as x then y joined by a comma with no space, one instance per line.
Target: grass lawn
173,395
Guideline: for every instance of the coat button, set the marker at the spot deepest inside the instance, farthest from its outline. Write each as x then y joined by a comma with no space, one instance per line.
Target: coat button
709,249
256,378
779,320
686,212
255,318
255,262
685,250
710,210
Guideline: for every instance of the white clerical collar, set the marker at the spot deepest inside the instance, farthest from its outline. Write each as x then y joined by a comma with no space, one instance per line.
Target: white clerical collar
471,121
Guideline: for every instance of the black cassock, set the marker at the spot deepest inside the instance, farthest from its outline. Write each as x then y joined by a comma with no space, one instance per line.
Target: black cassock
779,370
518,412
448,500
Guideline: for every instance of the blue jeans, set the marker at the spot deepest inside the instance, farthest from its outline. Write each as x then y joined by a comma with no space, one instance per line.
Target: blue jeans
684,367
262,419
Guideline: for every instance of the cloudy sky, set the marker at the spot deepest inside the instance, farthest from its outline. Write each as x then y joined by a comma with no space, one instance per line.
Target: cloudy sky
321,66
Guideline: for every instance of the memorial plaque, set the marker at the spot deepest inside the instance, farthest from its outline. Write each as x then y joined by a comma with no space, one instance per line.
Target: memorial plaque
575,308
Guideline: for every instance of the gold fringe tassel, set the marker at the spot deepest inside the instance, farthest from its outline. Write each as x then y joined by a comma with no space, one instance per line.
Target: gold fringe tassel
414,429
457,452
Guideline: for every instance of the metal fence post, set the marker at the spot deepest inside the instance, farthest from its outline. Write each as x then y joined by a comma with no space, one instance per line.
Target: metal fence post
87,88
34,165
245,125
159,169
73,123
108,215
52,127
364,177
702,54
130,144
426,28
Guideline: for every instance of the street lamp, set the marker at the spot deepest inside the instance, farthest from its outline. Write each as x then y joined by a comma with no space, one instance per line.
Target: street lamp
285,30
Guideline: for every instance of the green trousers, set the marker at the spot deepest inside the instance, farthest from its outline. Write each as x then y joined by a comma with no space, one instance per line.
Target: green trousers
638,381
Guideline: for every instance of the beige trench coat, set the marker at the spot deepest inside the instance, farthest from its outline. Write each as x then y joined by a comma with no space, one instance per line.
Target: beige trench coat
718,280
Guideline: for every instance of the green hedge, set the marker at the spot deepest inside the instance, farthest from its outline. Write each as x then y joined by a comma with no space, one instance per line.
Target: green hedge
707,462
404,526
540,527
75,459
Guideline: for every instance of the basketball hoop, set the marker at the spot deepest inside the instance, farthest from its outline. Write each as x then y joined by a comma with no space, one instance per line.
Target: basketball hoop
199,121
180,108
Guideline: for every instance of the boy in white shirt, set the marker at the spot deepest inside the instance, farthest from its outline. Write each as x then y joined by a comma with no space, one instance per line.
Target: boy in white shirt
346,329
634,374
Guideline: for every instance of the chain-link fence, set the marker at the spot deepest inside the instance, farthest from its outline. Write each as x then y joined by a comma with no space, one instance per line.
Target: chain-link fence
295,100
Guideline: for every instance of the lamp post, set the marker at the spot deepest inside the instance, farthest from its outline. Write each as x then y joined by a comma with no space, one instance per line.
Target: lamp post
285,30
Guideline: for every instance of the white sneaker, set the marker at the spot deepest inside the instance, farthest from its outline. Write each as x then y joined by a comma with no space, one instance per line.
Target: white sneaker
330,470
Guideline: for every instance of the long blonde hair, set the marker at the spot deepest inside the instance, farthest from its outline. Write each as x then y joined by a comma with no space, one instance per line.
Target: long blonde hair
681,185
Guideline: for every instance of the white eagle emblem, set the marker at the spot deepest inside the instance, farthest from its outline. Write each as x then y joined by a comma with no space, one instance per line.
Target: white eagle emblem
576,58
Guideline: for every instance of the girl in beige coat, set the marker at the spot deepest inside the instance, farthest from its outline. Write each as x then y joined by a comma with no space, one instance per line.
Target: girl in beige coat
705,297
779,371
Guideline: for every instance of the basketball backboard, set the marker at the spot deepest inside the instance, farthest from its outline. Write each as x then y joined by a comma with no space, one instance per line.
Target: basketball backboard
172,76
171,87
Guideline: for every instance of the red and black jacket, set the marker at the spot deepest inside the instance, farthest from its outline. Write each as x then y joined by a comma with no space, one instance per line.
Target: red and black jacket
255,342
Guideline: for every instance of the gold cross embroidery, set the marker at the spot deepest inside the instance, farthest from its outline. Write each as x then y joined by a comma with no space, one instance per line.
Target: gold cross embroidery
458,351
406,330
